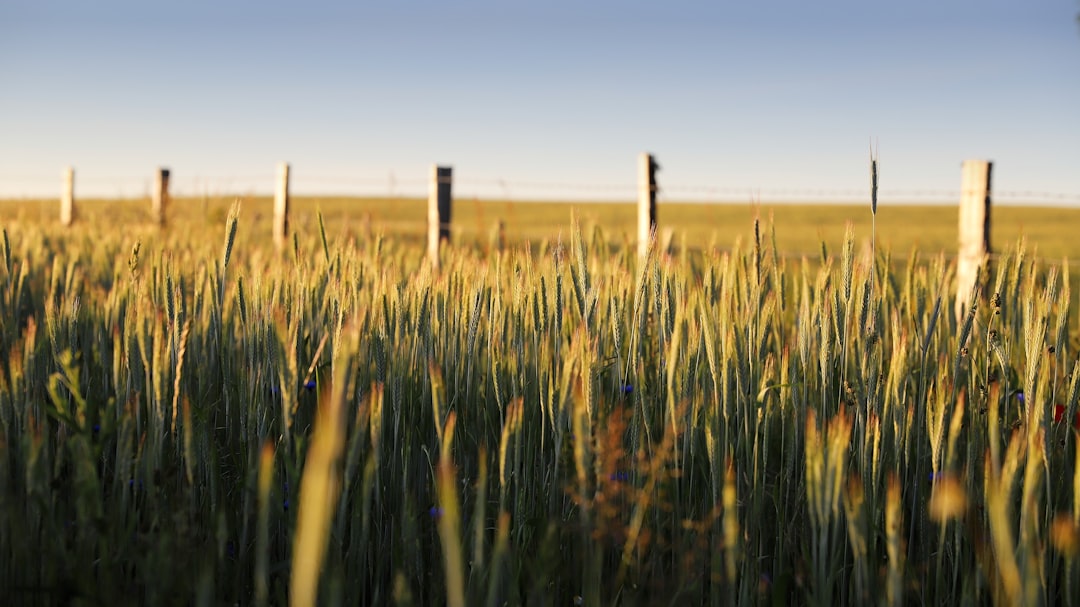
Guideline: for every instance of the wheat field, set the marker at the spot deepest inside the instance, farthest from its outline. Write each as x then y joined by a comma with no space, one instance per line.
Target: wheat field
766,410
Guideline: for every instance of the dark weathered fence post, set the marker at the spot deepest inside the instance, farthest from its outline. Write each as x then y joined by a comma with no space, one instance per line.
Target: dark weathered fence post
67,197
159,196
281,205
439,208
974,229
647,168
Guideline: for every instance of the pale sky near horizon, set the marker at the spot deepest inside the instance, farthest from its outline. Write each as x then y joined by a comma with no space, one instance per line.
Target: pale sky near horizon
774,100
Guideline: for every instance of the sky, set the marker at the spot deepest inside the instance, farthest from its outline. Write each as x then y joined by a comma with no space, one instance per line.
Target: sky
739,101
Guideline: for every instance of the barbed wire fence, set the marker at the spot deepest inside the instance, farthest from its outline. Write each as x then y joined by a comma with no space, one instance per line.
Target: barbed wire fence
494,188
389,186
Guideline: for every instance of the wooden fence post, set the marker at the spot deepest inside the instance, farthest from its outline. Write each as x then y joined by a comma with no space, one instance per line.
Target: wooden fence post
974,229
439,206
67,198
281,205
647,168
159,196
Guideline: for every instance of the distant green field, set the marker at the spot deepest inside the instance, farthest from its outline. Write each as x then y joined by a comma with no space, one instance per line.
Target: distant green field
800,228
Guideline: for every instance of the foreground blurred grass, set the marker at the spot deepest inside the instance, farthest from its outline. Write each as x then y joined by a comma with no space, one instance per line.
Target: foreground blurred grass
188,416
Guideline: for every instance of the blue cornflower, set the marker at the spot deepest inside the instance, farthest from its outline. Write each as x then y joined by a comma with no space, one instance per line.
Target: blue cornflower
309,385
628,389
435,512
621,476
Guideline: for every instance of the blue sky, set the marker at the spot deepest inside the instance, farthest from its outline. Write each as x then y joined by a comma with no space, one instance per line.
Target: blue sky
775,99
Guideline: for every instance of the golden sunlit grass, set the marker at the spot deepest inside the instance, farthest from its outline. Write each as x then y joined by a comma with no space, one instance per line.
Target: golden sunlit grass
197,421
948,500
801,228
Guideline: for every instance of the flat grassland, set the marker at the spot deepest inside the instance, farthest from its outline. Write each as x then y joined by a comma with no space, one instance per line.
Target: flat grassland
1051,232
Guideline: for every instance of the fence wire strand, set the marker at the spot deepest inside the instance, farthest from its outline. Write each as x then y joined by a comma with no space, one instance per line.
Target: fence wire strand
38,186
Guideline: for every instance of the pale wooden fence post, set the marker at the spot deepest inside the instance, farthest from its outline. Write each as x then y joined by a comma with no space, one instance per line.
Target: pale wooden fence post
974,229
647,168
439,207
67,198
281,205
159,196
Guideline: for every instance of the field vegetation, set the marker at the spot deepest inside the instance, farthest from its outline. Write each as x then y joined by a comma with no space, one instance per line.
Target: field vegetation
763,411
800,228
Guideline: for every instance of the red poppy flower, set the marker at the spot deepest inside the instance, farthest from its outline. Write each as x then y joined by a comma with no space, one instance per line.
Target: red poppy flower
1059,413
